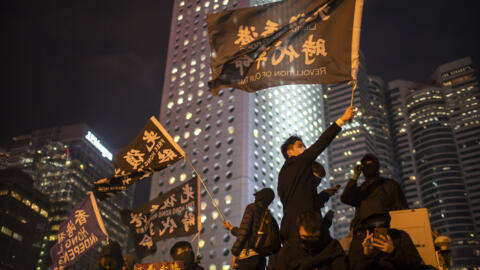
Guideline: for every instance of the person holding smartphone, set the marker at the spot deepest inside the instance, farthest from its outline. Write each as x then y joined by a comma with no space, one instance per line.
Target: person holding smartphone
376,195
382,247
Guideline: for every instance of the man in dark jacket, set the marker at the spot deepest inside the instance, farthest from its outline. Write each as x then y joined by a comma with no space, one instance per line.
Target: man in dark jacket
391,250
242,251
296,182
312,248
182,251
375,195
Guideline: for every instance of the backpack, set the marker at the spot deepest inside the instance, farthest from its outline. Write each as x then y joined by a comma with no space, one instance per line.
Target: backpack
267,239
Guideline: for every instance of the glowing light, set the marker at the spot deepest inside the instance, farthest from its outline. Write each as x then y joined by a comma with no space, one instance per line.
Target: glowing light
96,142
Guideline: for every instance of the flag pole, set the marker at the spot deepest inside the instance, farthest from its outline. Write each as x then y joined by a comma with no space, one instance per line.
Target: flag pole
205,186
354,87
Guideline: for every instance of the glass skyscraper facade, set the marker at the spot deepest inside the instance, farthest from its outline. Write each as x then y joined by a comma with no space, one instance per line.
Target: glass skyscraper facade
64,162
436,133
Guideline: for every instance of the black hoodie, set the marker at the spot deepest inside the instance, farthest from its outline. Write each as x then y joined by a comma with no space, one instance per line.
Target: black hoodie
375,195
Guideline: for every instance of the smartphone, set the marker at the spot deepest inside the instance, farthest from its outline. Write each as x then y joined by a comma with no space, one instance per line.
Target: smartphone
380,231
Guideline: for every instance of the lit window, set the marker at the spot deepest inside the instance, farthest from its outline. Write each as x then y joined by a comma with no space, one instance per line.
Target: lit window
188,116
26,202
16,195
186,135
174,70
197,131
207,4
231,130
203,218
255,133
185,43
176,138
170,104
180,101
6,231
180,17
214,215
200,93
228,199
44,213
204,205
172,180
183,176
182,3
201,244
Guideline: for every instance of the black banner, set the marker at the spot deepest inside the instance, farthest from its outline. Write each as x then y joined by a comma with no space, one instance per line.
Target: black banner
153,149
172,214
288,42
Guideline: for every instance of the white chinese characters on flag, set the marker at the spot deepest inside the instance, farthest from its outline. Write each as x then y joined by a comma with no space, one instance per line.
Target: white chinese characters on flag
286,42
153,149
172,214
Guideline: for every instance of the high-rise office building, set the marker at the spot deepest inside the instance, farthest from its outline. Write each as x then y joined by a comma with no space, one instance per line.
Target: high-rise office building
367,133
23,222
460,86
64,162
232,139
436,131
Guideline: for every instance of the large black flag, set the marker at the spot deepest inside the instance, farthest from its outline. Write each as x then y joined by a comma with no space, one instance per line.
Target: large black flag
289,42
153,149
172,214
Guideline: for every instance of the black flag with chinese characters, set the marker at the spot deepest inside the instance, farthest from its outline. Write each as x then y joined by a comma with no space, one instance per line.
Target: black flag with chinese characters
172,214
153,149
288,42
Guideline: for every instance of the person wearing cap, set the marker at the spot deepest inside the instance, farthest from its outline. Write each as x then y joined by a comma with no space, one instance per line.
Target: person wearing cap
376,195
242,251
312,248
297,187
182,251
391,250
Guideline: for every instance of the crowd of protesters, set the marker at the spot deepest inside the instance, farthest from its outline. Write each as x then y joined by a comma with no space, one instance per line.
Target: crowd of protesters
304,233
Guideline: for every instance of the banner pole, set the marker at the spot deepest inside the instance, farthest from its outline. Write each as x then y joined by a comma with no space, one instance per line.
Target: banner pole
205,186
354,87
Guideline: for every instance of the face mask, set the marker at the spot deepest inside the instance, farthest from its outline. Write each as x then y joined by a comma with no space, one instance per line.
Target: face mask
188,259
370,169
310,245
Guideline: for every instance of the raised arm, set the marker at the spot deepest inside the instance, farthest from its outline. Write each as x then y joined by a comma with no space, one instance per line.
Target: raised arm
327,136
351,193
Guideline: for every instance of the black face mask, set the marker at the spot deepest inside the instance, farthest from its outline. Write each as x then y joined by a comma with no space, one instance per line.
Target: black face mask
188,259
370,170
310,245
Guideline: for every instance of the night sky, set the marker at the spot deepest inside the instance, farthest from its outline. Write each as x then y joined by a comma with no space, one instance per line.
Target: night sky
102,62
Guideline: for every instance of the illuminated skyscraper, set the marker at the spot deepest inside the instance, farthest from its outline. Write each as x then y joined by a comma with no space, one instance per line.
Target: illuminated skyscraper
233,139
436,134
64,162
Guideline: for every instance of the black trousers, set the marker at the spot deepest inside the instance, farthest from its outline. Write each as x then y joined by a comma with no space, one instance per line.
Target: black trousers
252,263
